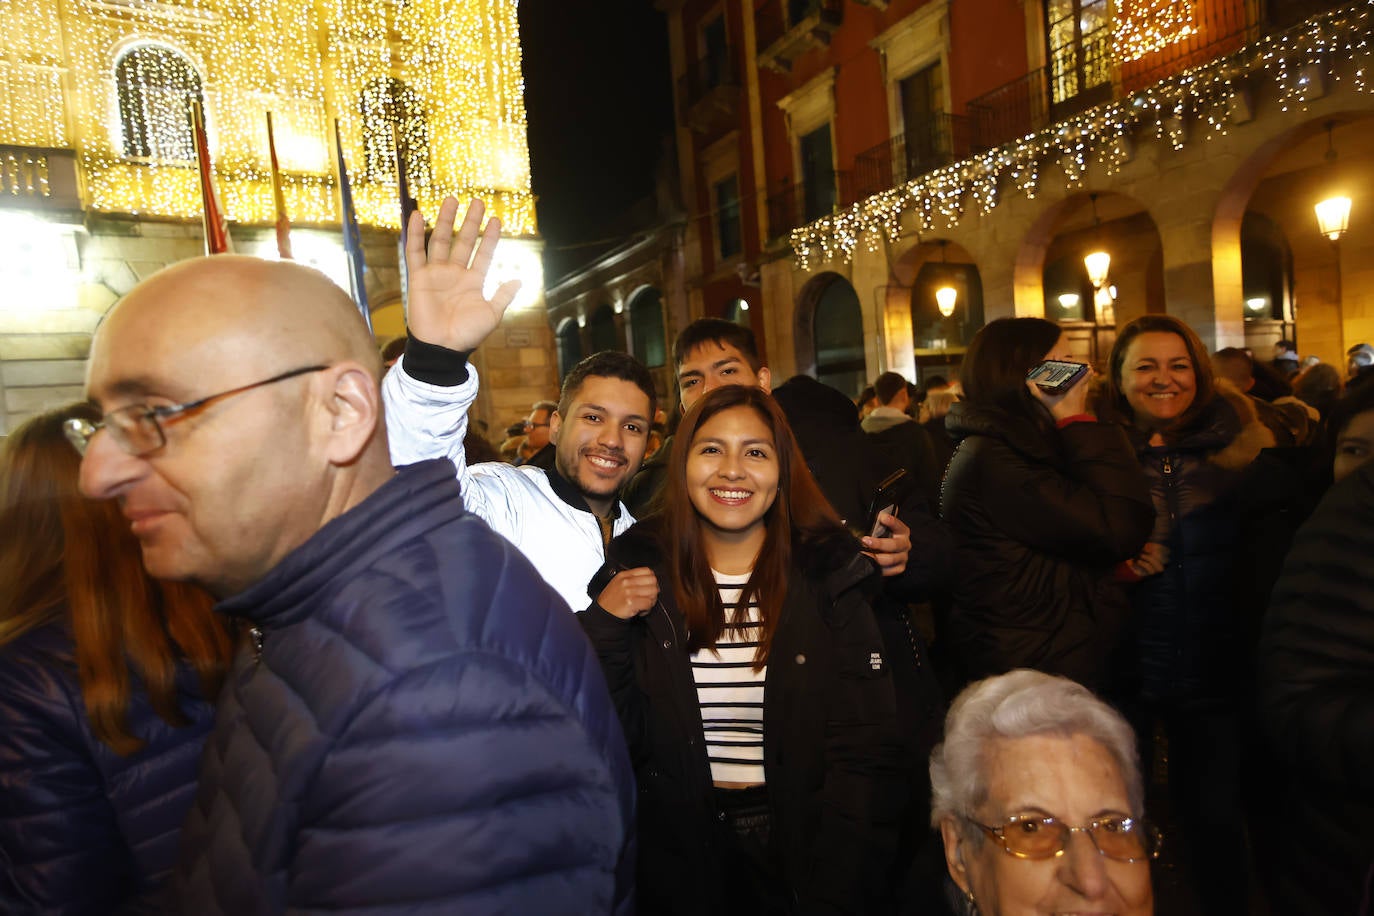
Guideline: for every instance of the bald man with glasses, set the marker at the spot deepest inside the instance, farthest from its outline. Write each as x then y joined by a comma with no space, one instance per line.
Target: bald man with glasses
417,722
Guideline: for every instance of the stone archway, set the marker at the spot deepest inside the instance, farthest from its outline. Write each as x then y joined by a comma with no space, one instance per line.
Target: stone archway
828,333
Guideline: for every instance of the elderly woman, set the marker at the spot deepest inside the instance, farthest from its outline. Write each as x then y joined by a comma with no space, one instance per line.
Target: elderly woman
1037,794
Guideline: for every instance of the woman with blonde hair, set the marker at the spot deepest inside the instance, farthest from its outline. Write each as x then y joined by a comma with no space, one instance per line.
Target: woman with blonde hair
107,677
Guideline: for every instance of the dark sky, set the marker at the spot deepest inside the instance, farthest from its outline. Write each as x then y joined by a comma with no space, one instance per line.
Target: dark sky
599,103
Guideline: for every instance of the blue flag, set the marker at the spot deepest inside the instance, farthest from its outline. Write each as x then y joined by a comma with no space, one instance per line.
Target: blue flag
353,240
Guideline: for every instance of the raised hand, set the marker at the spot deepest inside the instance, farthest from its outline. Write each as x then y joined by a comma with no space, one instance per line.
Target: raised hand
445,302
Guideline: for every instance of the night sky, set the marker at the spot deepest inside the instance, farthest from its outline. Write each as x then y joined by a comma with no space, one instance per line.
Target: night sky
599,102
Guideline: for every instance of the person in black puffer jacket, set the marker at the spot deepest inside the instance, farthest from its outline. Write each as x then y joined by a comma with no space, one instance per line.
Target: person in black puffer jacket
752,686
1196,441
108,680
1044,502
1316,698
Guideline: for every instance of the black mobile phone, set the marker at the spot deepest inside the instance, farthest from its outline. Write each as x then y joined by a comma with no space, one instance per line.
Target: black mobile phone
884,500
1055,376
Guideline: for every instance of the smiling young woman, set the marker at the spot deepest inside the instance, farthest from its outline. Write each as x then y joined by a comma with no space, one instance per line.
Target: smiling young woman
752,686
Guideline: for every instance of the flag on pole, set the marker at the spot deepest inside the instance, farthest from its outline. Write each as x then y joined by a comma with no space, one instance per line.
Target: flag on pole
408,206
353,240
278,197
212,214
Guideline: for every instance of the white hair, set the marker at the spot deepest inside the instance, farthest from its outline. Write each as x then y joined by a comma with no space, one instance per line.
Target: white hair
1020,704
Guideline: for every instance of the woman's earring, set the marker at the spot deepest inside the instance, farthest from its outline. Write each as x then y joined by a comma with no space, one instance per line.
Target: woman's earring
970,905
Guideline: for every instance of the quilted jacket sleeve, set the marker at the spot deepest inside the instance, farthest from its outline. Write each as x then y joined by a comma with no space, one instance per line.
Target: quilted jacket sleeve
1100,511
60,846
1316,657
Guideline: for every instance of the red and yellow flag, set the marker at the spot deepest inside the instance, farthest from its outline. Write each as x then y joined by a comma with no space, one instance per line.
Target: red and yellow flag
216,227
283,223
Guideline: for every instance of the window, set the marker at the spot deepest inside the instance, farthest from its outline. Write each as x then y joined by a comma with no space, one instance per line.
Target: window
155,86
1079,35
925,132
818,173
728,242
715,54
393,115
646,326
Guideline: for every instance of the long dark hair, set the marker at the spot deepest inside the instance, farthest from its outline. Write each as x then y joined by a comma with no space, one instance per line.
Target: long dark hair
1205,390
998,358
64,555
799,514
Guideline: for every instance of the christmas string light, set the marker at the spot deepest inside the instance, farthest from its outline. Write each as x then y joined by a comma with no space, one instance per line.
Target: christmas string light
1142,27
1198,101
308,62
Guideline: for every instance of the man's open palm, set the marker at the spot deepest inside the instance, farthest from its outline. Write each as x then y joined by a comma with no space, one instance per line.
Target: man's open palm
445,303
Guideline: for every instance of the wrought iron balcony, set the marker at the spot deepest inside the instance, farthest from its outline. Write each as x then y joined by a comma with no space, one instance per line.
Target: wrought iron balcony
796,204
710,93
786,29
924,146
1134,61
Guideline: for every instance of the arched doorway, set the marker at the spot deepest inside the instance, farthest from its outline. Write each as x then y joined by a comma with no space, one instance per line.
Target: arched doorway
647,340
830,333
601,332
569,347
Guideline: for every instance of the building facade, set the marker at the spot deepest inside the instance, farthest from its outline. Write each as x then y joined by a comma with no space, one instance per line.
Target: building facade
845,160
98,185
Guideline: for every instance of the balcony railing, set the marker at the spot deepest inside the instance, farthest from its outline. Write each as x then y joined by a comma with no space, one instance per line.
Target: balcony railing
797,204
35,178
784,29
1037,99
710,92
926,145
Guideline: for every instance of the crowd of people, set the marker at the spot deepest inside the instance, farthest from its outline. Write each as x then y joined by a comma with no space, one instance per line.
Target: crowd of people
934,651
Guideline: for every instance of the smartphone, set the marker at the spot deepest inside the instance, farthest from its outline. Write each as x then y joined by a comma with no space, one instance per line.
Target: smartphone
1055,376
884,500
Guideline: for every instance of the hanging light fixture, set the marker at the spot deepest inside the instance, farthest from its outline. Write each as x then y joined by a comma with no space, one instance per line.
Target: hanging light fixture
1097,262
1333,214
1068,301
946,295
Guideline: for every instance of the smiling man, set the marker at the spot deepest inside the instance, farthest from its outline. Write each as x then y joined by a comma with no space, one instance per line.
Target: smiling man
561,518
412,688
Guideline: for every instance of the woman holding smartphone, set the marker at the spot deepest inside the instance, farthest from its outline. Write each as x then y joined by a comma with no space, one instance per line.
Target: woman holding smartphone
1044,503
738,642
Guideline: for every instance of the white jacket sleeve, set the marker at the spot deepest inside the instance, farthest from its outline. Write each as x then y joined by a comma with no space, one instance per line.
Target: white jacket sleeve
426,421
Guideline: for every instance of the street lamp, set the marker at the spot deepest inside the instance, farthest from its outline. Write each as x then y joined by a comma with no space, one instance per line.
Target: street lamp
1333,217
945,298
1097,262
1333,214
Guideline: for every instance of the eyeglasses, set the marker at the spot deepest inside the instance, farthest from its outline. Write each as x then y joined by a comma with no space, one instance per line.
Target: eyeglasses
1125,839
529,425
137,429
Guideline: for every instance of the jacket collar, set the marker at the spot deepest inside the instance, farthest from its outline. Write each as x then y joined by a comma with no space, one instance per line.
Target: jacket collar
1020,432
565,490
418,498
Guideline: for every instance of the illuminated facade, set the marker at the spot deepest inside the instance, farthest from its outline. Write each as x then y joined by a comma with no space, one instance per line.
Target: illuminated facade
98,187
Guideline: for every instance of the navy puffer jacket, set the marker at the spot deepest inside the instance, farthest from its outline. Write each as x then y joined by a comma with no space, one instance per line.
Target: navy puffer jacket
82,829
424,730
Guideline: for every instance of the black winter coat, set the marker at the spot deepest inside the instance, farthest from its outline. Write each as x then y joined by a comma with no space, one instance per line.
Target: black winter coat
831,751
82,829
1187,629
1316,669
1041,517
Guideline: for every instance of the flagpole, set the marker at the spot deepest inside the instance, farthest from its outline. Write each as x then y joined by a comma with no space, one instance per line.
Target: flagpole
353,241
278,196
408,206
212,215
